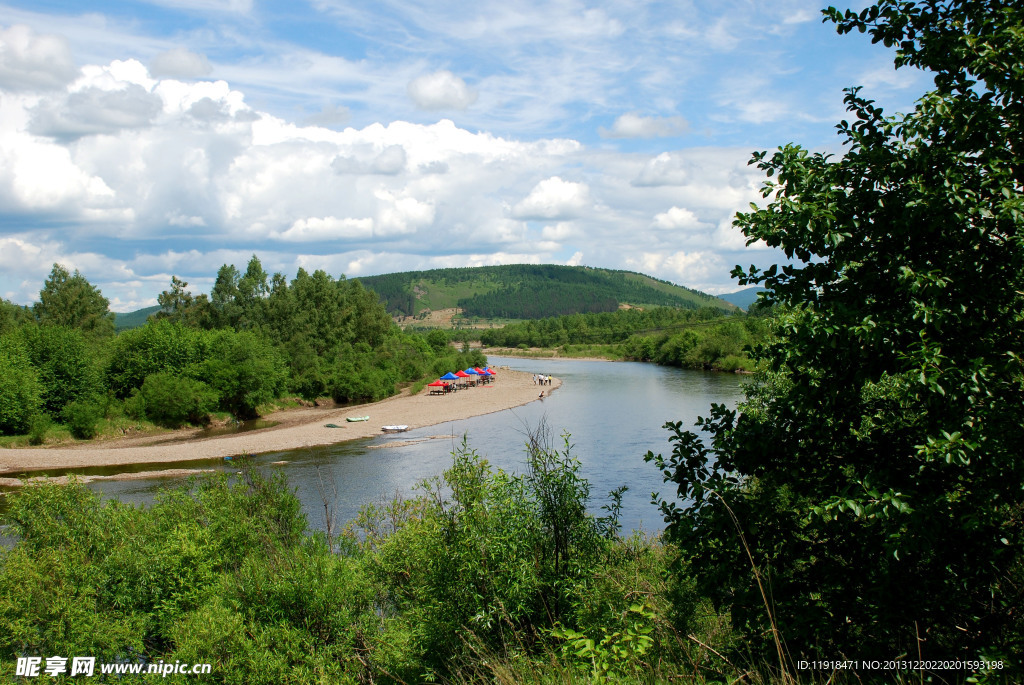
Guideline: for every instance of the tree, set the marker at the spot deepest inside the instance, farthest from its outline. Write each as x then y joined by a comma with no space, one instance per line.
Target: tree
181,306
70,300
13,316
875,469
19,392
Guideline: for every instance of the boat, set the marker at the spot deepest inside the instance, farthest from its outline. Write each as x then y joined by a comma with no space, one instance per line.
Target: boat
353,419
395,429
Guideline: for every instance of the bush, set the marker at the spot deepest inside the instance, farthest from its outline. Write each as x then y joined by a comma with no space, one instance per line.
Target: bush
19,391
38,427
64,365
82,418
245,370
172,401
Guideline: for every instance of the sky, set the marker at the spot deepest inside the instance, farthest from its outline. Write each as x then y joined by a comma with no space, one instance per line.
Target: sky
141,140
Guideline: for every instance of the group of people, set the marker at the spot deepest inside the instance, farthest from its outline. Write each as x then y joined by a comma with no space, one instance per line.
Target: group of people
541,379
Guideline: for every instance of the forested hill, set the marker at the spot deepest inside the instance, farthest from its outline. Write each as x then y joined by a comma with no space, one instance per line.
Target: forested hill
529,291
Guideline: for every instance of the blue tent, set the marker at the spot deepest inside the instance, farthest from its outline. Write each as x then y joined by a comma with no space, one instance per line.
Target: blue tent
449,377
472,371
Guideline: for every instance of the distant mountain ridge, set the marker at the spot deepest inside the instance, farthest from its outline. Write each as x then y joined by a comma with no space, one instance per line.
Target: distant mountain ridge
530,291
743,298
134,319
517,291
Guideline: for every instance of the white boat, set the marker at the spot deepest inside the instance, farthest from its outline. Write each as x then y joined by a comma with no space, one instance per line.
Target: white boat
394,429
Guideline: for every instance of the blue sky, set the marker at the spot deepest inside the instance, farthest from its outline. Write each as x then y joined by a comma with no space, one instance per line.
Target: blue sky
140,140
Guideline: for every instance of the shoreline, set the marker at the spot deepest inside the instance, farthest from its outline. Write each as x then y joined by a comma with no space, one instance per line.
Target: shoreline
296,428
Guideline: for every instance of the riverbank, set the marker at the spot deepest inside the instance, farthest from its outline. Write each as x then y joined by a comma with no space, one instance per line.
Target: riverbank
293,429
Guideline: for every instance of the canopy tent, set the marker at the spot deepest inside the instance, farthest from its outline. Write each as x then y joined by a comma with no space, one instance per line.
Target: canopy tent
449,377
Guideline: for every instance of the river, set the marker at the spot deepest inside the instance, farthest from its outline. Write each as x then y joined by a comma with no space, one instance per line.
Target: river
612,411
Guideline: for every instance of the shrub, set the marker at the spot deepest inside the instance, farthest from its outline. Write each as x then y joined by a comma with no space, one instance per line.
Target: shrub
19,391
172,401
245,370
38,427
82,417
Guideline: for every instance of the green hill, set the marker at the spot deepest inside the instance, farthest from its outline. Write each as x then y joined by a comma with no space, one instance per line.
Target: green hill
743,298
528,291
134,319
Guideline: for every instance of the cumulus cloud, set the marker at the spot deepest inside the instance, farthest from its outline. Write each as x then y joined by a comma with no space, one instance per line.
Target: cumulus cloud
553,198
329,116
633,125
180,63
401,215
695,268
441,90
94,111
327,228
677,218
664,170
388,162
33,62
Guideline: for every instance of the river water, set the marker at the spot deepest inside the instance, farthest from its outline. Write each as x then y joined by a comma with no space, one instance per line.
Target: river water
612,411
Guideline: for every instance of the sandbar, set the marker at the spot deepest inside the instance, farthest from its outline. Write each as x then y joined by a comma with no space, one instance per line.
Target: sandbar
295,429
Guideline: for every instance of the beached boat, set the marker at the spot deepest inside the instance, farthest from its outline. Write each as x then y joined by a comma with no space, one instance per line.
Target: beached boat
353,419
394,429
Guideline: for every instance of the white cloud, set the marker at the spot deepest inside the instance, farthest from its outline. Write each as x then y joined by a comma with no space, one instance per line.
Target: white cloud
553,198
562,231
677,218
180,63
388,162
441,90
329,116
94,110
695,269
32,62
327,228
633,125
401,215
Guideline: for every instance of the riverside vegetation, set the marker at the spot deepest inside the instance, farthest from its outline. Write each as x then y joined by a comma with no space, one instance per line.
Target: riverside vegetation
865,502
252,341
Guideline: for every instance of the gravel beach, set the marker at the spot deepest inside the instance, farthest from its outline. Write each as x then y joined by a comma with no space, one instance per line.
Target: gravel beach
295,429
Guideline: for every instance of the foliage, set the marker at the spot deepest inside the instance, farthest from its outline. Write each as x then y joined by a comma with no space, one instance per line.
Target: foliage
70,300
64,362
616,652
20,390
244,370
222,571
160,346
82,417
699,339
173,401
13,316
38,428
875,470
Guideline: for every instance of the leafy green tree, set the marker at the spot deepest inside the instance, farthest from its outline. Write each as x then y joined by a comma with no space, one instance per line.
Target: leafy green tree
875,471
173,401
245,370
181,306
64,363
70,300
19,391
12,316
157,346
